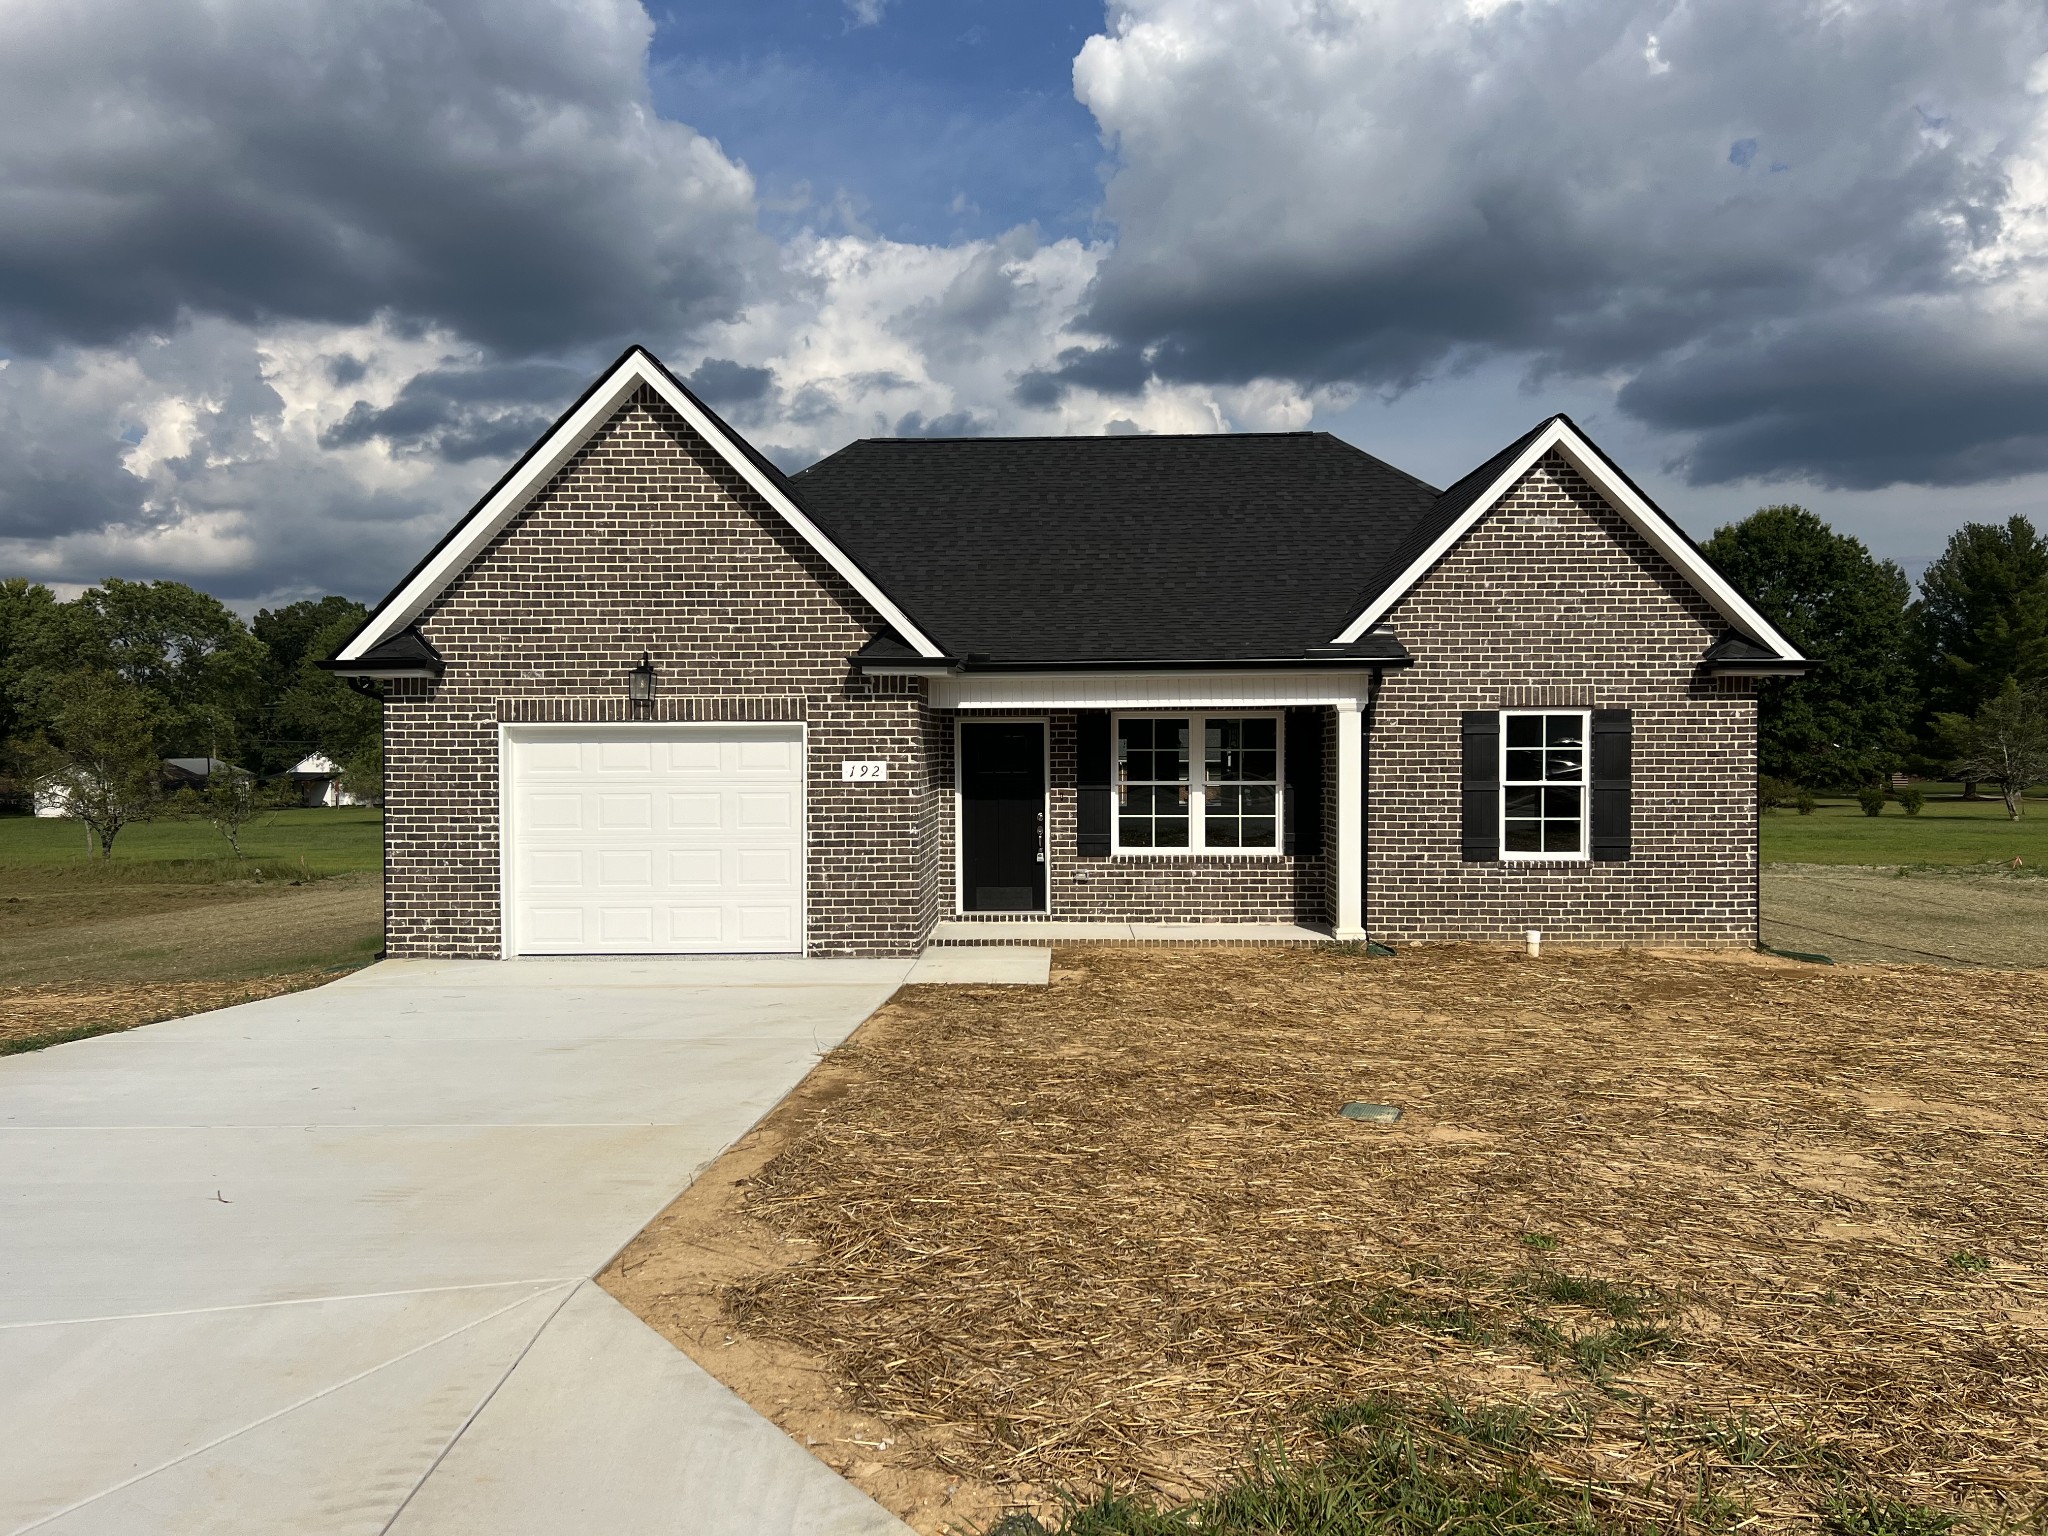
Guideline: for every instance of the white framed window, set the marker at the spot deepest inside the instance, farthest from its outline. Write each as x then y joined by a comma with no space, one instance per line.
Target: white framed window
1543,783
1193,783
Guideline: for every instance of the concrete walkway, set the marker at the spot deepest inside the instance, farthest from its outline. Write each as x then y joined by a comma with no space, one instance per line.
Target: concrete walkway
321,1263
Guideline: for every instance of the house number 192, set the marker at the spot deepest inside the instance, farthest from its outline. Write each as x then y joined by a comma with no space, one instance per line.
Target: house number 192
863,773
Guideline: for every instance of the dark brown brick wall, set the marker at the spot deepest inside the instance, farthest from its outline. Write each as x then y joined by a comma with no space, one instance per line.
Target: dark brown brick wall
648,540
1554,599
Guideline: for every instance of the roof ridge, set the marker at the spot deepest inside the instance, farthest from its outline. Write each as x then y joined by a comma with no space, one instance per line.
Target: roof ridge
1102,437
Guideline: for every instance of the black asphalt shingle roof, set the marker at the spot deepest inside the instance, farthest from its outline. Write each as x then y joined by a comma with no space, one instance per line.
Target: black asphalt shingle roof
1232,547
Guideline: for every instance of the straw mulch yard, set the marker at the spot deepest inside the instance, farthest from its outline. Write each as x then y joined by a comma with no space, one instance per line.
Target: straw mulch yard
1726,1237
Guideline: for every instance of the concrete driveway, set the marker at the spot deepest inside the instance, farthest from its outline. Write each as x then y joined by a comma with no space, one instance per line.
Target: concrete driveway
321,1263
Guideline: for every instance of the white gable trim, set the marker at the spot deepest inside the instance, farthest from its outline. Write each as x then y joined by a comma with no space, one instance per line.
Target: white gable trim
562,444
1644,518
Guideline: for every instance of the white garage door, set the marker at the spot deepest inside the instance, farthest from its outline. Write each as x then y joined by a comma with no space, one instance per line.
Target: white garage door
641,840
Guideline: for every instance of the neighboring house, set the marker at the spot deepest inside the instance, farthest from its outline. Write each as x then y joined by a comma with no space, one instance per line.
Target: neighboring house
317,780
1259,677
54,799
197,772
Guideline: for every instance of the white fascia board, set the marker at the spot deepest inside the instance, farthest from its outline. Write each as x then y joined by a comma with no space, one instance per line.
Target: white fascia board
490,519
1655,528
1148,690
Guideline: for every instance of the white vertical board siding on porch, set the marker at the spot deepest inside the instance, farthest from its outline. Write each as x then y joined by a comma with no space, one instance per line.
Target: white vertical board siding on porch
1146,690
654,839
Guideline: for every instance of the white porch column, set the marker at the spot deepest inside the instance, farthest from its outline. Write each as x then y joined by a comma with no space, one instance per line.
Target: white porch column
1346,838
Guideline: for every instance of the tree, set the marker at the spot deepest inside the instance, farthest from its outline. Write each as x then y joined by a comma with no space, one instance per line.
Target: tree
190,651
231,801
194,659
2004,743
1851,719
341,721
101,757
300,700
22,606
363,774
1983,614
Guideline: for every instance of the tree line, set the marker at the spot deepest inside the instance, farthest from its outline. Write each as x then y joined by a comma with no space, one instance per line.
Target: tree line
97,691
1952,680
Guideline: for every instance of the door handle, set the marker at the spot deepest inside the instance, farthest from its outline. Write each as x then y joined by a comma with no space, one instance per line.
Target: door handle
1041,837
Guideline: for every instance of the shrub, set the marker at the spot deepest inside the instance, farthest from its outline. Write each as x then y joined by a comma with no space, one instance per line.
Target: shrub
1872,798
1774,793
1805,802
1911,798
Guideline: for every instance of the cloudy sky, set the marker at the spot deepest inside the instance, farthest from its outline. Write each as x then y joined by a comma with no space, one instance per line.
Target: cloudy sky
284,284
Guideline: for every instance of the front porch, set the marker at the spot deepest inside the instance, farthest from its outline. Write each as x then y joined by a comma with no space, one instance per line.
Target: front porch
1043,933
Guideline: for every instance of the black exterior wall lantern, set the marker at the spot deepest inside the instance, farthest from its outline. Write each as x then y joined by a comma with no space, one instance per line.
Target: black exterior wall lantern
640,690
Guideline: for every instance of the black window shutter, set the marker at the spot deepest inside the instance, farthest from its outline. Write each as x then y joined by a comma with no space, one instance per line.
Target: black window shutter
1480,822
1303,745
1091,784
1613,754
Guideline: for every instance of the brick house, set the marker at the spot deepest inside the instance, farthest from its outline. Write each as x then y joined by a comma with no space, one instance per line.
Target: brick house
651,695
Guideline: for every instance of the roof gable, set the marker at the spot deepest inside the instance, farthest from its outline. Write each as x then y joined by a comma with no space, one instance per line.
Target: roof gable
1459,510
561,443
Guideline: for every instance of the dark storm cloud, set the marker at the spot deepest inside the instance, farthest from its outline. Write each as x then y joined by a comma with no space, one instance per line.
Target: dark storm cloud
1601,188
489,166
952,424
1934,401
724,384
459,414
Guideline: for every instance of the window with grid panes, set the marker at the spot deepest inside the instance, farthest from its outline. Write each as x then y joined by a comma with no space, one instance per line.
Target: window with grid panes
1225,796
1543,785
1152,784
1241,782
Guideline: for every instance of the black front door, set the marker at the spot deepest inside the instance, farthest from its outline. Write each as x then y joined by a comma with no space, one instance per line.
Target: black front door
1002,816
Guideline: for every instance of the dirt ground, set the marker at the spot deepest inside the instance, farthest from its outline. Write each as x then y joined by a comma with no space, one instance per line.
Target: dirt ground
1722,1227
89,959
153,933
1966,916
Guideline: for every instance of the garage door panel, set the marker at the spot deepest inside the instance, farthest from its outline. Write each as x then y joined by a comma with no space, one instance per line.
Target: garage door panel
703,759
696,925
695,867
766,757
554,813
626,812
625,866
556,867
625,757
758,809
765,867
678,840
695,811
765,924
556,925
549,759
625,925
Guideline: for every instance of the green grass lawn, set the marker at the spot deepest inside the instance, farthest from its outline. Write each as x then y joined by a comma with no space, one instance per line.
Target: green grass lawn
173,905
347,840
1948,830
